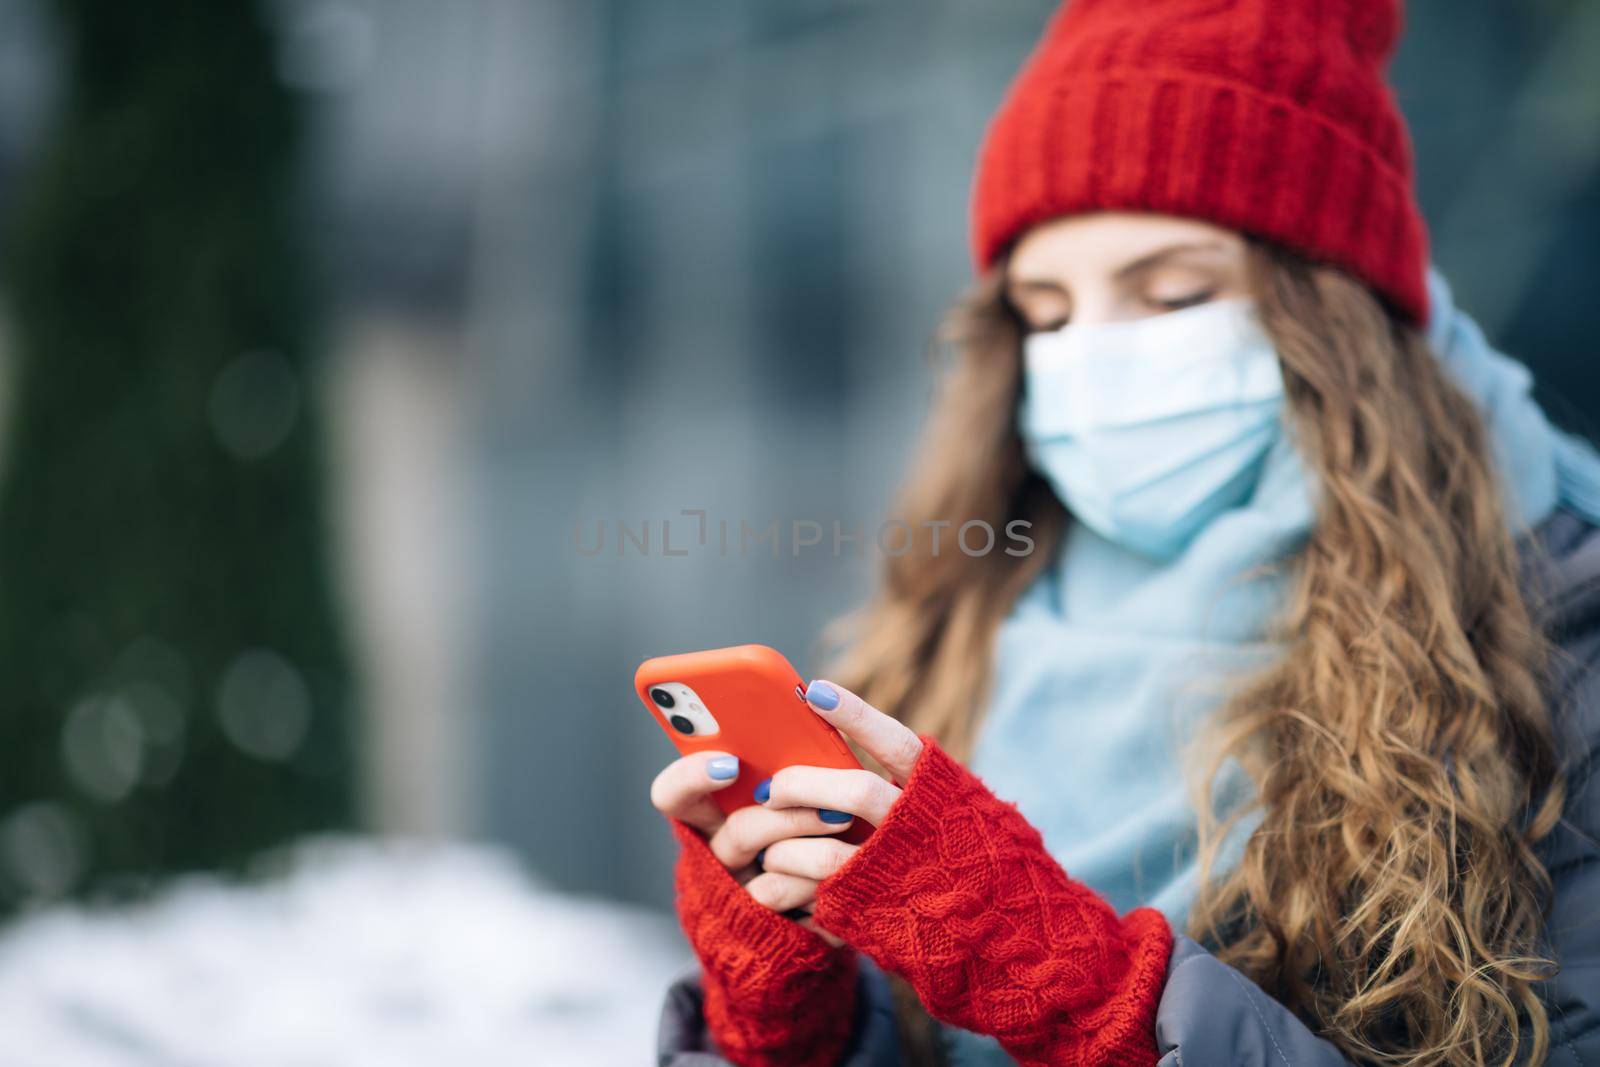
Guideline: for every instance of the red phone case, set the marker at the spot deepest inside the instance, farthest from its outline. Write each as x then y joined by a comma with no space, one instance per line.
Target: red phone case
759,704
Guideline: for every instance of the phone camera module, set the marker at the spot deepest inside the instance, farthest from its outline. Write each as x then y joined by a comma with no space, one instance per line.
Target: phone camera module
682,710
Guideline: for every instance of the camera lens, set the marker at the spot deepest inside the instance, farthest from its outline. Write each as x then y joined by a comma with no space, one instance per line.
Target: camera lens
681,724
663,698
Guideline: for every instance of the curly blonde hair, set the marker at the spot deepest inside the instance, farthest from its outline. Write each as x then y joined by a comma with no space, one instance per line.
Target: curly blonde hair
1401,747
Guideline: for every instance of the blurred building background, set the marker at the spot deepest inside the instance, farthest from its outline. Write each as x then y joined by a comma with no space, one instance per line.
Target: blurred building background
590,262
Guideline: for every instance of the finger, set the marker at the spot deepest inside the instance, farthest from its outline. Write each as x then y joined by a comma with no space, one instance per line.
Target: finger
782,892
889,742
749,830
810,923
858,792
683,788
807,857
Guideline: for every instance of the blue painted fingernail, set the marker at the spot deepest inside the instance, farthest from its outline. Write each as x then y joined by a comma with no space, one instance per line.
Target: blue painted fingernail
763,790
822,695
835,817
723,768
759,857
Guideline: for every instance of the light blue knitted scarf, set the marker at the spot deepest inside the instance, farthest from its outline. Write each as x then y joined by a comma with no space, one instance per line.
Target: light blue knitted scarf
1109,659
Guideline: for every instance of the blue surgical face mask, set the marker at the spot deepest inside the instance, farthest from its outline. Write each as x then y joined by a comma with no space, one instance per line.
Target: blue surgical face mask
1150,429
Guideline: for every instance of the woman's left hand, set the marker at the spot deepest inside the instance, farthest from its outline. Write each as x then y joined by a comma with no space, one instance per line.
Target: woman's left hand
956,893
791,868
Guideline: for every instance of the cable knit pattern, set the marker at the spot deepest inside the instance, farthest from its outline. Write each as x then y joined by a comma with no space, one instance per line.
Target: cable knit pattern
956,893
776,994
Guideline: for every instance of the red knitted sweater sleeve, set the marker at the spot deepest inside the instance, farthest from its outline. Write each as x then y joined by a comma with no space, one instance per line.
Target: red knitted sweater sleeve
956,893
776,994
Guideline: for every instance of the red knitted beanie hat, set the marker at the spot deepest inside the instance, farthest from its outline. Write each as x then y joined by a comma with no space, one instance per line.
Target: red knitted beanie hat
1269,117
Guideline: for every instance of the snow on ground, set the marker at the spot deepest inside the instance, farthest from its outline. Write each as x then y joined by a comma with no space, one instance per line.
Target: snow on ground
364,955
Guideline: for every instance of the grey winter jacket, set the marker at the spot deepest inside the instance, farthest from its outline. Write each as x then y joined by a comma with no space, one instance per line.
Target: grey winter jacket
1210,1014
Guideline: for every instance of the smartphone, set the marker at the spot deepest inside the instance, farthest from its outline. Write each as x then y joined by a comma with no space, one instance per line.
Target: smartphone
748,701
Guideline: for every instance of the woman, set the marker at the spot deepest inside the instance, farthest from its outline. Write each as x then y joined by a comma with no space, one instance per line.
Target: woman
1293,520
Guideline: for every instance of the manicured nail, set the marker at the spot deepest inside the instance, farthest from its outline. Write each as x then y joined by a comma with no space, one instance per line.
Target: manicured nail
835,817
763,790
723,768
759,857
822,695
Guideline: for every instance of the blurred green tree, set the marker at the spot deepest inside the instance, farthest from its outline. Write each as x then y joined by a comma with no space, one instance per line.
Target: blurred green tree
173,684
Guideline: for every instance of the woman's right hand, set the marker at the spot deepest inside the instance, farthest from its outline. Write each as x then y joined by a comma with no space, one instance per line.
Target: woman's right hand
683,791
775,995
